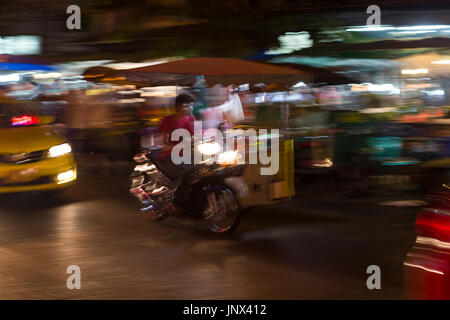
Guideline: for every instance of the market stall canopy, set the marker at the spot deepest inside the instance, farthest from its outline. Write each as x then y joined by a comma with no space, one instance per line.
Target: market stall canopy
321,75
223,71
358,70
339,64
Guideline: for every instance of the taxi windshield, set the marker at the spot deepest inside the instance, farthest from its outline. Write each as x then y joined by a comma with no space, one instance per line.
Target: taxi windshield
13,115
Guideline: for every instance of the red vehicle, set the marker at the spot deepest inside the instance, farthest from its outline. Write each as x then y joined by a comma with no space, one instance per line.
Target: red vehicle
427,265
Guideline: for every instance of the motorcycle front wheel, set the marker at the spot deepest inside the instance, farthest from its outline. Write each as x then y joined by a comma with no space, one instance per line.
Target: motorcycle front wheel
225,213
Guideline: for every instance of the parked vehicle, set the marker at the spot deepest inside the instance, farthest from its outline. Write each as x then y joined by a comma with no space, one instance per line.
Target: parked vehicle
32,157
427,265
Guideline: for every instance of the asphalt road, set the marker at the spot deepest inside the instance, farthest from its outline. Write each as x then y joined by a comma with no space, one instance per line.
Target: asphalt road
317,246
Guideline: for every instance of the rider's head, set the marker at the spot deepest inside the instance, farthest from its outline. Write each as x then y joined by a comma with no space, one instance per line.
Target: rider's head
184,103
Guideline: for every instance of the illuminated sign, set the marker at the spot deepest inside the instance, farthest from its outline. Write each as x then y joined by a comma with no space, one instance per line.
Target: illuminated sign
20,45
292,41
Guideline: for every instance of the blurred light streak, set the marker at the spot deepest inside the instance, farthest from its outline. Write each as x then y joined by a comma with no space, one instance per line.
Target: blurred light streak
370,28
403,33
14,77
423,268
48,75
415,71
433,242
387,27
424,27
441,62
131,65
292,41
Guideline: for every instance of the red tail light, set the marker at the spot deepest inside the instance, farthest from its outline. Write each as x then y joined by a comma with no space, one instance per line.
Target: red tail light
434,225
24,120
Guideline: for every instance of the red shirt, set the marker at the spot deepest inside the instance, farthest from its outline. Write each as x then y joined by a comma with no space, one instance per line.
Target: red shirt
170,124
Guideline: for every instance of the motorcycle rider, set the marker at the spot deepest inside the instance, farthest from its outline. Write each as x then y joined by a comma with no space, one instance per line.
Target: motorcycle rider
183,196
181,119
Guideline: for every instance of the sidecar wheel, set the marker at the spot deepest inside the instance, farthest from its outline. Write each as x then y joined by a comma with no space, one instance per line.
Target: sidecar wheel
227,217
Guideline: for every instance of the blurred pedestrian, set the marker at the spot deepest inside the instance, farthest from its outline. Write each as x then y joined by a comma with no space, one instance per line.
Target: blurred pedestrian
75,119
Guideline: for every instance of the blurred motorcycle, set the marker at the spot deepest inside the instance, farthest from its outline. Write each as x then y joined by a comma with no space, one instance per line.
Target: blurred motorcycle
209,191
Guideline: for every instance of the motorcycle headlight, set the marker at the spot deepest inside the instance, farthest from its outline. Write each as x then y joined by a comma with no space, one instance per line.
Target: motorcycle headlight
209,148
228,158
59,150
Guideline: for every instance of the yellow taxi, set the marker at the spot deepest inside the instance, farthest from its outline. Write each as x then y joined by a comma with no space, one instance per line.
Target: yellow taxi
32,157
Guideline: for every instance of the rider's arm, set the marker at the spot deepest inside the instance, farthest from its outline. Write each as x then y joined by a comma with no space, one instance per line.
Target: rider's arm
165,140
165,134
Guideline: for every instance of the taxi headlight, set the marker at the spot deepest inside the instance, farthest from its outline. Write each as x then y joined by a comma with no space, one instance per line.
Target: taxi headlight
66,176
59,150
